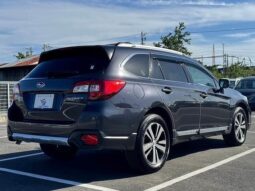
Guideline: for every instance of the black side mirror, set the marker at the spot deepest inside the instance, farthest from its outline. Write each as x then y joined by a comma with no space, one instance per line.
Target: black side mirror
223,83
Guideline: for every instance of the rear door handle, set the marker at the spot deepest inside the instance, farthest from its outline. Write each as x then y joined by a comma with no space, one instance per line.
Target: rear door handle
203,95
167,90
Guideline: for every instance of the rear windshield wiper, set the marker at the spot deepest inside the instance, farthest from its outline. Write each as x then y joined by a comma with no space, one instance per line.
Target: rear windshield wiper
56,74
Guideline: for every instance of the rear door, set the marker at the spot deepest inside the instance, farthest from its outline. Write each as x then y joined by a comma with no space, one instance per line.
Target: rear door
171,81
47,91
215,106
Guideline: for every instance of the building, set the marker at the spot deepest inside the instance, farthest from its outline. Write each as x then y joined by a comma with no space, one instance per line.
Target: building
17,70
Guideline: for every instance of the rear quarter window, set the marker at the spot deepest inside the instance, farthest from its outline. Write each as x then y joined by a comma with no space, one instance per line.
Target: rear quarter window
138,65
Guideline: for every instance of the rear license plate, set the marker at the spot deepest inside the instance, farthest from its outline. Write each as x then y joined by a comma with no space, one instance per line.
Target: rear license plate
44,101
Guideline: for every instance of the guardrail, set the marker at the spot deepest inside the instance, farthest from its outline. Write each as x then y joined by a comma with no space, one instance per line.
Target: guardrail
6,89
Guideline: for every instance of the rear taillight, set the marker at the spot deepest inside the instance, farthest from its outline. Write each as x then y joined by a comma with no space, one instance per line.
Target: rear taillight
16,91
102,89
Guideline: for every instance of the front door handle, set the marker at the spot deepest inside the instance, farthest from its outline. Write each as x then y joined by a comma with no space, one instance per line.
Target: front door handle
167,90
203,95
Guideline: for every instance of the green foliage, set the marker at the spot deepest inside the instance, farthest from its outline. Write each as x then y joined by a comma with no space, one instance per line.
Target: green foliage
20,55
234,71
177,40
239,70
215,71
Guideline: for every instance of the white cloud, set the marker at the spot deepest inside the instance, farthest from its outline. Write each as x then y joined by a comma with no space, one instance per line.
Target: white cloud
186,2
240,35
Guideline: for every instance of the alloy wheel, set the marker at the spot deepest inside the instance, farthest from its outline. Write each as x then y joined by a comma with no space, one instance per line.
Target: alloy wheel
154,144
240,127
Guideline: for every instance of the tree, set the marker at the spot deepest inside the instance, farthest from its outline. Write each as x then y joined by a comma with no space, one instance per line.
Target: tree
177,40
21,55
215,71
236,70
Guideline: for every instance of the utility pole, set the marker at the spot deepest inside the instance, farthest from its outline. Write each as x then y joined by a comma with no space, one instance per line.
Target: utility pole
143,38
29,51
45,47
213,56
223,53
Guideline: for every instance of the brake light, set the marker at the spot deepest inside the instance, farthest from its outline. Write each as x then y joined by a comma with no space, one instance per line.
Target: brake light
101,89
16,91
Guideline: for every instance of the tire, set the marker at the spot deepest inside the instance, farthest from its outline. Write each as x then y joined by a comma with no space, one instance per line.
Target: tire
58,151
152,145
237,136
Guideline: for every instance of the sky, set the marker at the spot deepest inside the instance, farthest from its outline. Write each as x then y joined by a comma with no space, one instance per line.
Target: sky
59,23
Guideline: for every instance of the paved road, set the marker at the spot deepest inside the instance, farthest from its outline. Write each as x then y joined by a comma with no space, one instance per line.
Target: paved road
198,165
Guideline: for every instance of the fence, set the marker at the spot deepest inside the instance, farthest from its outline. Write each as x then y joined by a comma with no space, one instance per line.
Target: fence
6,89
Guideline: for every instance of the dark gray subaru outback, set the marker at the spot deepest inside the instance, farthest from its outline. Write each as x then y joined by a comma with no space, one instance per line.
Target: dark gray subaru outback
127,97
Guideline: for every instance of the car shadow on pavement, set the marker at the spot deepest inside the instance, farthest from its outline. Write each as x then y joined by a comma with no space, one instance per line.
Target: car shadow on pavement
91,166
196,146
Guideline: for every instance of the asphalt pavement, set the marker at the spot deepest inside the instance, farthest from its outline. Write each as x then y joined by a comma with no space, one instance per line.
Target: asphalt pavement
206,164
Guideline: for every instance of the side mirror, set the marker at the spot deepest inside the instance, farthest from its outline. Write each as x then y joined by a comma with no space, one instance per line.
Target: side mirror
223,83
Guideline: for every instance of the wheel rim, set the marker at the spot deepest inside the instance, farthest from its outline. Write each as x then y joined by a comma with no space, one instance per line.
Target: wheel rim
240,127
154,144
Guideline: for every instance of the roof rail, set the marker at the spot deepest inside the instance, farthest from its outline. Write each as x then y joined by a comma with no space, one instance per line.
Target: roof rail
127,44
122,44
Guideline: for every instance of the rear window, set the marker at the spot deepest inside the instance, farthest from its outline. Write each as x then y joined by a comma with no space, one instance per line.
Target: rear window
70,62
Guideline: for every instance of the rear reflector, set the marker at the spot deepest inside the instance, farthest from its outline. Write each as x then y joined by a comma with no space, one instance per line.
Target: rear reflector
90,139
102,89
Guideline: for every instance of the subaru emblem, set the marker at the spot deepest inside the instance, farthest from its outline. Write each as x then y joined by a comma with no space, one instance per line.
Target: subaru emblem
40,84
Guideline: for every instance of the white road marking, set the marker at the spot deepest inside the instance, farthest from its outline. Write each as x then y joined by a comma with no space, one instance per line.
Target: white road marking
58,180
251,131
199,171
19,157
3,137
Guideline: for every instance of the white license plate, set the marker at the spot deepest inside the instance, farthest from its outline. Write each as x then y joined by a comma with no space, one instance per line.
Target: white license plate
44,101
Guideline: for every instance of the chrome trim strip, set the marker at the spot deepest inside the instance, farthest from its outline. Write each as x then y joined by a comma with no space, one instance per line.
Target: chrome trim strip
40,139
188,132
207,130
116,137
214,129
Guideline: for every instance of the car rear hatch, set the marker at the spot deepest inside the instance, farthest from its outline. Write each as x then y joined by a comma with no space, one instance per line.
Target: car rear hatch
47,92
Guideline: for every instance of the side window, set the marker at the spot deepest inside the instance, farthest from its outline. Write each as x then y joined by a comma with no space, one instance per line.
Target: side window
138,65
173,71
246,84
200,77
156,71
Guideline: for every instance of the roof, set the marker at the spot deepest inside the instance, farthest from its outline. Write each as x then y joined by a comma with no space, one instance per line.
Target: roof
30,61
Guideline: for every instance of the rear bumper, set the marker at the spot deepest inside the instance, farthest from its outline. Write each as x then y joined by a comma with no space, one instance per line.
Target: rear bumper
39,139
74,139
